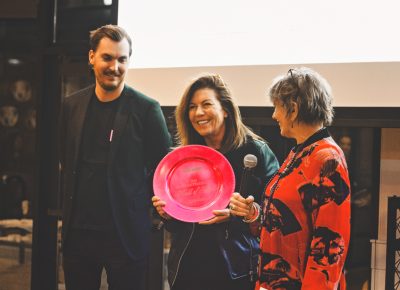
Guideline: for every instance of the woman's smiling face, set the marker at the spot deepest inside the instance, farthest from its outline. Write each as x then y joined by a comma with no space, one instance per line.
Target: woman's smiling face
207,116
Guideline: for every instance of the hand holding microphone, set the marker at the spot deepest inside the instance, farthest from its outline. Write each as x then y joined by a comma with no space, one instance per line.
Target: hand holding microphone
241,206
245,207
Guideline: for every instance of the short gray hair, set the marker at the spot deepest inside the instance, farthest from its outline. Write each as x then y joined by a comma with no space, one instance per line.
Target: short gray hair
309,90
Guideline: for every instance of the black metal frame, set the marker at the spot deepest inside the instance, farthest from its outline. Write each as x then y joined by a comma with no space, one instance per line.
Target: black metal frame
392,280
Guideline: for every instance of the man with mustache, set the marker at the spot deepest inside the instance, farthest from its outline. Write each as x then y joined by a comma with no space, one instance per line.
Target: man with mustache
112,139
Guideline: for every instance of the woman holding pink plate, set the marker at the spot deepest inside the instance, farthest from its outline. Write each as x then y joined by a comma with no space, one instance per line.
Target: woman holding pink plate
221,252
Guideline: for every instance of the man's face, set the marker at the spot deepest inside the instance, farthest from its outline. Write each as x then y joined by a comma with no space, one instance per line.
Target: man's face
110,62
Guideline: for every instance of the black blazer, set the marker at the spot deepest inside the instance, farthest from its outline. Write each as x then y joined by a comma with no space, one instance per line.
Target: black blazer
140,140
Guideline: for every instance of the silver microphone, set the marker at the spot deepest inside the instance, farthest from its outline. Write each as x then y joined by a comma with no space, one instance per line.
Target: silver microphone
250,161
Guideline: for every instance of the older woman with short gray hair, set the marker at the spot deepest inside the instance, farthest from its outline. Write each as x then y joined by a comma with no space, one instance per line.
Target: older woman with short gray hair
305,220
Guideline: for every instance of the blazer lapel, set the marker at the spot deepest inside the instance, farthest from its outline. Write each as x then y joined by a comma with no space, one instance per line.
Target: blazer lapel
79,122
120,121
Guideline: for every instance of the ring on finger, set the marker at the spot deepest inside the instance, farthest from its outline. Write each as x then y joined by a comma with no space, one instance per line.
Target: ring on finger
232,207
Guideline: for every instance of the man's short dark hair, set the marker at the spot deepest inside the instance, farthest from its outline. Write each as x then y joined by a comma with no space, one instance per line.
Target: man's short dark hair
110,31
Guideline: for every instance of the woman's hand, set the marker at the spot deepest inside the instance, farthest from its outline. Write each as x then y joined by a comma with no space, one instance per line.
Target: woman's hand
221,215
241,206
159,205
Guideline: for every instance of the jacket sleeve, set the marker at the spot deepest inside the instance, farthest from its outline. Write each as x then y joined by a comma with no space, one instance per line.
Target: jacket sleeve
157,138
330,215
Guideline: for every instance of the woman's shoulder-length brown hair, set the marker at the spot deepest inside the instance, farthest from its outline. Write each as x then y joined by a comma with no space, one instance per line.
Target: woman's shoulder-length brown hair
236,133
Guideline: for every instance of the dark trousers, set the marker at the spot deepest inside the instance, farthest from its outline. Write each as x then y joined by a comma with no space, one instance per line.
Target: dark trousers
218,283
85,255
197,275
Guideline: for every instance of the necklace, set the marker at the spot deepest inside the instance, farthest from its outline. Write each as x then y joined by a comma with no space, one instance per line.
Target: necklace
288,168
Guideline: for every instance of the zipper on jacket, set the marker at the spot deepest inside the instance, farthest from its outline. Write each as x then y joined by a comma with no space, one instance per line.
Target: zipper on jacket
251,272
183,252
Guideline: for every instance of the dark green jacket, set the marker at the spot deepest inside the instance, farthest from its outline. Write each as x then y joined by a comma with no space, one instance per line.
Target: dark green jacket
140,140
238,246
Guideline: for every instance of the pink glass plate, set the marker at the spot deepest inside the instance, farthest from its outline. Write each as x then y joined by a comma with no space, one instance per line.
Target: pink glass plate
194,180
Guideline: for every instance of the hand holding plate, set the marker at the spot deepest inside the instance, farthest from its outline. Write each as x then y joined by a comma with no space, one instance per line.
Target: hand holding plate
193,181
221,215
159,205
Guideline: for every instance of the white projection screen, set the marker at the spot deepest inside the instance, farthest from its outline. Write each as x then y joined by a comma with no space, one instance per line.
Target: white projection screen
354,44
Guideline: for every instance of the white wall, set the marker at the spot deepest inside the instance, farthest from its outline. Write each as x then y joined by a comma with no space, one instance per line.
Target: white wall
354,84
187,33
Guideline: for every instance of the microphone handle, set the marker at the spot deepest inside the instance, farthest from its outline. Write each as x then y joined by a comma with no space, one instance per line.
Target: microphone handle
243,182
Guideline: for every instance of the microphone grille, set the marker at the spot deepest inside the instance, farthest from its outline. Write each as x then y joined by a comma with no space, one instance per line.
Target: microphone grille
250,161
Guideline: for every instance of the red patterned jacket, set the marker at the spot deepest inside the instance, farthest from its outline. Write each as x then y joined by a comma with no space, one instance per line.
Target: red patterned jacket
306,225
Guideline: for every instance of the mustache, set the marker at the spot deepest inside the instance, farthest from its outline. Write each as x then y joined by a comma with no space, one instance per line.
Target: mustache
112,73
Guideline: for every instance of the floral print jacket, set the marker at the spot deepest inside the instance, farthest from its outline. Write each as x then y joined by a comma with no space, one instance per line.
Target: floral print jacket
306,222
